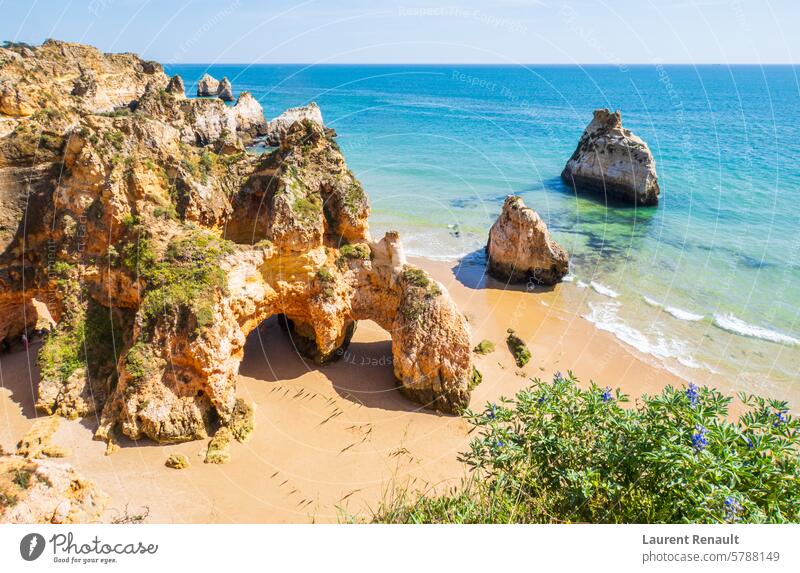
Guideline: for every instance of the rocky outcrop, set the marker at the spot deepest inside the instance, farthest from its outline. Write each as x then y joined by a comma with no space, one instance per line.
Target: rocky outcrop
61,78
613,161
176,87
278,126
35,489
161,245
520,247
207,121
46,491
210,87
207,86
249,116
225,90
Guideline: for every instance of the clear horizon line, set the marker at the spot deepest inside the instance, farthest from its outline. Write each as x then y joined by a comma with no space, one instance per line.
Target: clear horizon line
615,65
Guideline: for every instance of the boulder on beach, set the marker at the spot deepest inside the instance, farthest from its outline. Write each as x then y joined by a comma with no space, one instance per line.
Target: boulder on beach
278,126
207,86
613,161
46,491
225,90
520,247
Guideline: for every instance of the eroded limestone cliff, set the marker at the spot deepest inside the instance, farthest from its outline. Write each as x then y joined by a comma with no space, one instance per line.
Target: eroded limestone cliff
157,244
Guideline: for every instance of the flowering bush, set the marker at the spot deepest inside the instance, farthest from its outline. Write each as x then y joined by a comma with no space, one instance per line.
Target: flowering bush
560,453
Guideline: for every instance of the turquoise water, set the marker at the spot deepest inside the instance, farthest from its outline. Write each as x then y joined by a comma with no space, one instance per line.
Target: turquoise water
709,281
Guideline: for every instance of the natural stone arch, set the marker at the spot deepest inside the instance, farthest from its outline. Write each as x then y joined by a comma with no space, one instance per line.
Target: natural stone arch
430,338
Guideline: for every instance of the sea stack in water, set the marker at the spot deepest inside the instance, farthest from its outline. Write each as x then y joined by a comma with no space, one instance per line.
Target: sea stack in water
613,161
207,86
520,247
225,90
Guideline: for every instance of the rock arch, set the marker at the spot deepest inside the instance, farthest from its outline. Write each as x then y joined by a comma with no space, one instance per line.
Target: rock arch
430,337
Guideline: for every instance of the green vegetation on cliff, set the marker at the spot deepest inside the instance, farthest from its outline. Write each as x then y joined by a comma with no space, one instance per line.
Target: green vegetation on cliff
357,251
419,278
188,278
87,335
559,453
140,361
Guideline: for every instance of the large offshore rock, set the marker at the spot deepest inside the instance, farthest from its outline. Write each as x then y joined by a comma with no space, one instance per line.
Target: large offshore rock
613,161
520,247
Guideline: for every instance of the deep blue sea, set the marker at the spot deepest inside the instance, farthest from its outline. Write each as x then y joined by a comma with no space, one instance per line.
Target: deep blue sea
708,281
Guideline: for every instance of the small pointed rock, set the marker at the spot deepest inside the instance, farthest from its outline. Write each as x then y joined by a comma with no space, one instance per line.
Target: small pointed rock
225,90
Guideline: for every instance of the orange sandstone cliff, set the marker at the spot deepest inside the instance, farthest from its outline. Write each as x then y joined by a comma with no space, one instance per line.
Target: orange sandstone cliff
135,216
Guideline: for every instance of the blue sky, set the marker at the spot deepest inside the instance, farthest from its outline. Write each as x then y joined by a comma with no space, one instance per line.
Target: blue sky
419,31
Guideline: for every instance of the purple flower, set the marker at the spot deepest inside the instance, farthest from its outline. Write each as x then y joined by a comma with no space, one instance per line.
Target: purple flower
557,376
606,395
732,507
692,395
780,418
699,440
491,413
750,444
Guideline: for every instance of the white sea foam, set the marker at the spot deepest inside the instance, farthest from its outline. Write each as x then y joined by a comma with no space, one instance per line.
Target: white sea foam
681,314
737,326
603,289
690,362
605,316
676,312
581,284
652,302
568,278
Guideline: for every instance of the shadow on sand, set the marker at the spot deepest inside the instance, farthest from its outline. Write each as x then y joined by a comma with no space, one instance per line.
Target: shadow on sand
20,376
363,374
471,271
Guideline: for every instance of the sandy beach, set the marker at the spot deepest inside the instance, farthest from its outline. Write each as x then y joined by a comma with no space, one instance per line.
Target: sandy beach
330,442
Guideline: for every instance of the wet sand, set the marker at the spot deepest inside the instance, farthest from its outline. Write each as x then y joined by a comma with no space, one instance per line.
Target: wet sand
330,442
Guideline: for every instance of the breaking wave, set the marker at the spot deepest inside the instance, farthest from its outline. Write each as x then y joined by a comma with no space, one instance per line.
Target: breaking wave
605,316
735,325
603,289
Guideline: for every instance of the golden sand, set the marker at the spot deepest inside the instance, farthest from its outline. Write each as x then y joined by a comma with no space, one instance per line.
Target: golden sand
330,442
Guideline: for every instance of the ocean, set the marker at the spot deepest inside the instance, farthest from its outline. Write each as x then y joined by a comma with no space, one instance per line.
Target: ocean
707,282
